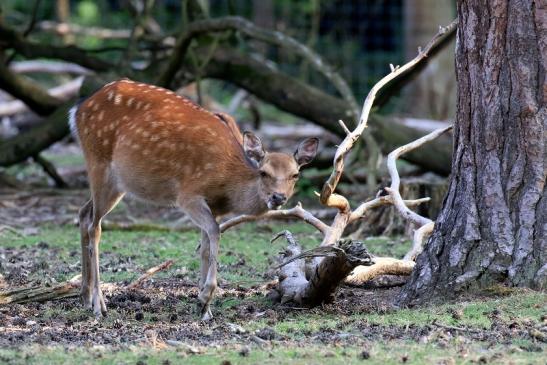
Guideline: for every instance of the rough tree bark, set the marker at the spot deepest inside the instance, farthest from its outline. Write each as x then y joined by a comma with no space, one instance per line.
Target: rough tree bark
492,225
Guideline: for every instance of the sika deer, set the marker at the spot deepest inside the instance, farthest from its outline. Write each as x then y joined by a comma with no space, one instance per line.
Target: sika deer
162,148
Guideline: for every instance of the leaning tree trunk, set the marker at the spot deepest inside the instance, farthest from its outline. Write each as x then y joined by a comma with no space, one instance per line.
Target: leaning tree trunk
492,225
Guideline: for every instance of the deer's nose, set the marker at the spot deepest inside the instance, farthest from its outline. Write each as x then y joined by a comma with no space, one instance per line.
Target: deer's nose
279,198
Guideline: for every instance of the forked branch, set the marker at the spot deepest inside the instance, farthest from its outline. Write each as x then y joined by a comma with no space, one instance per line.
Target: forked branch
296,286
393,190
338,165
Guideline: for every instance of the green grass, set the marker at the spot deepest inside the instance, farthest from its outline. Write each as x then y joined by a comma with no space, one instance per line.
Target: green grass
150,248
251,243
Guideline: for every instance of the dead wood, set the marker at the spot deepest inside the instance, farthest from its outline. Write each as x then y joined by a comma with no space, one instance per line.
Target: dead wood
70,288
380,266
384,281
51,171
161,267
315,282
338,261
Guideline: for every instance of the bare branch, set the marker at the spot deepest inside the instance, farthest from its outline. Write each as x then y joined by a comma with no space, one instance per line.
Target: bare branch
251,30
22,88
308,102
393,190
10,38
33,141
338,164
53,67
381,266
418,240
49,168
296,212
65,28
360,211
61,92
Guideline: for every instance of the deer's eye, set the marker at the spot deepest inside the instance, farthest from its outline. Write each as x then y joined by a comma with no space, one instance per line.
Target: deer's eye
295,176
263,174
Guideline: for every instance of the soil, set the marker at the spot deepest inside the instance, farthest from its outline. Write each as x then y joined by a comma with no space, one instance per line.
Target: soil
163,309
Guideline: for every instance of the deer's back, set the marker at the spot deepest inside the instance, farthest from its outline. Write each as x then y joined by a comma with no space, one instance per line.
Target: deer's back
155,140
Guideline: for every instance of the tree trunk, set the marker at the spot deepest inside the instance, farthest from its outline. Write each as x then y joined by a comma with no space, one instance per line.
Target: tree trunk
492,225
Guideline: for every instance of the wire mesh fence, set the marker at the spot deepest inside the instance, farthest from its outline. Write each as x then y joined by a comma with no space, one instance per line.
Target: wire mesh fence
360,38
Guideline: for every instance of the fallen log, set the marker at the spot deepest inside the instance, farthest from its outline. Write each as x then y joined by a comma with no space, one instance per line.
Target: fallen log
67,289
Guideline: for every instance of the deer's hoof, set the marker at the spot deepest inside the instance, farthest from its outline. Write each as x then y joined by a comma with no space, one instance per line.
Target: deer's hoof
97,304
204,312
86,300
207,315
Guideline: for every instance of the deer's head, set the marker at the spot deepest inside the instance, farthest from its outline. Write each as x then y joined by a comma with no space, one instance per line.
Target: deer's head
277,172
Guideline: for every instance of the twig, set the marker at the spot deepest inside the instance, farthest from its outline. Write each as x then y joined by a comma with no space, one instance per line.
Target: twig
4,227
164,266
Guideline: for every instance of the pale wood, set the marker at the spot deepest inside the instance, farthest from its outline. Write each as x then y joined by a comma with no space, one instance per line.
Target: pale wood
161,267
417,243
295,212
393,190
381,266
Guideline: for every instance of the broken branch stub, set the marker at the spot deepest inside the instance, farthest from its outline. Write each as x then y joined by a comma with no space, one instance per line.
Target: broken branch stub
326,275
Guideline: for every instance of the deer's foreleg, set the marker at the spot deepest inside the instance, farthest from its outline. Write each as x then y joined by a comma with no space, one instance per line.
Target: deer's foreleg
204,252
201,215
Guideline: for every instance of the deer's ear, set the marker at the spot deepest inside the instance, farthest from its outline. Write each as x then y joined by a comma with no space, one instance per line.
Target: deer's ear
306,151
252,145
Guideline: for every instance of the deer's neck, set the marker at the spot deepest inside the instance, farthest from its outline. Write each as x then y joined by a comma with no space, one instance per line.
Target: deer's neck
247,200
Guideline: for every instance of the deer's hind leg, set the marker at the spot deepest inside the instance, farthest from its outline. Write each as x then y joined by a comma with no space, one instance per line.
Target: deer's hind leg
105,196
86,213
